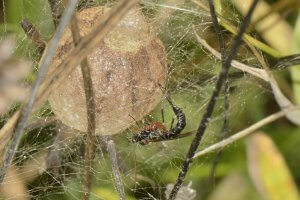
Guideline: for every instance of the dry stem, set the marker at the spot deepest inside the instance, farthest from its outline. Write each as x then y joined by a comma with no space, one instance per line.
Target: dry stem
244,132
33,34
90,105
56,10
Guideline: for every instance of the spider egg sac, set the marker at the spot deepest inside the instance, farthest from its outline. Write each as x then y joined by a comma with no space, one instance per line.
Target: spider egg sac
126,70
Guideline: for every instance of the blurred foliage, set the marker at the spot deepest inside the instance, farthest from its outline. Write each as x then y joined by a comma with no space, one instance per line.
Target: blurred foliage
268,170
296,70
191,81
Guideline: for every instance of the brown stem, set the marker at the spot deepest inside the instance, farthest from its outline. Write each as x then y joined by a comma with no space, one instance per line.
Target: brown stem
90,104
33,34
56,10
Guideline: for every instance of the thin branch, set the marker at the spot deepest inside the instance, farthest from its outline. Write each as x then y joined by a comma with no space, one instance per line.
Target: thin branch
217,30
245,132
90,105
231,28
223,134
33,34
280,98
56,10
102,141
115,167
288,61
259,73
205,120
9,154
224,129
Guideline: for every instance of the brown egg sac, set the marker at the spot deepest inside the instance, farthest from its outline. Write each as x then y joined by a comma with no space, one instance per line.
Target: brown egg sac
126,70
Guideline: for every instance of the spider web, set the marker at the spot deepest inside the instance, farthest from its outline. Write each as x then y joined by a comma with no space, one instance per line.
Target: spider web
146,170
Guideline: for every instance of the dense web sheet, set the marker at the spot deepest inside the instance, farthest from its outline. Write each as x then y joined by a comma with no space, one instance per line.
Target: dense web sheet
49,162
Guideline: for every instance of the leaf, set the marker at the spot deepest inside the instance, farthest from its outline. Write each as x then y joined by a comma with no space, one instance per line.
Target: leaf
227,188
283,102
268,169
295,70
279,32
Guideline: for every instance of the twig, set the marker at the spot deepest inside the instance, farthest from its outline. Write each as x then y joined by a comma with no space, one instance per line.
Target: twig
56,10
288,61
231,28
7,131
90,105
224,130
205,120
33,34
217,30
9,154
115,167
102,140
260,73
244,132
280,98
